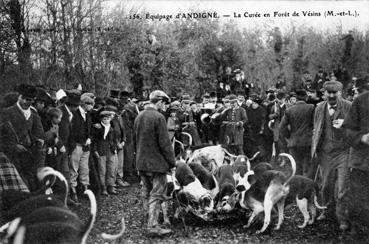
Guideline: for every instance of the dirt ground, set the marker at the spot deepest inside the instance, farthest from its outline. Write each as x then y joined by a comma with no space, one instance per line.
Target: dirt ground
227,230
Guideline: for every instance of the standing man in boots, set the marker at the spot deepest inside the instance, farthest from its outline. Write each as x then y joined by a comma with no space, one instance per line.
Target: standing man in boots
154,157
80,142
332,149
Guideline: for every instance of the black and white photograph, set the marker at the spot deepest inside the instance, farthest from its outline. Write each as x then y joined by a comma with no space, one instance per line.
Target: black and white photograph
179,121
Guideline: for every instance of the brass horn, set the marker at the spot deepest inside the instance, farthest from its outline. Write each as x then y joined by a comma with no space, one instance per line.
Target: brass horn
205,118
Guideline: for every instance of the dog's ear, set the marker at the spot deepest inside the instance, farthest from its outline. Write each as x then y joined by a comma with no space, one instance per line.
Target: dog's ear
252,179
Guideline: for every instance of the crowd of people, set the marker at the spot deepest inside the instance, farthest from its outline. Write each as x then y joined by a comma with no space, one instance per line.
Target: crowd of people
114,137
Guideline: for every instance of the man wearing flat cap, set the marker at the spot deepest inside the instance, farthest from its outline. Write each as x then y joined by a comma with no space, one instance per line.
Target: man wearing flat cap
330,148
154,157
22,130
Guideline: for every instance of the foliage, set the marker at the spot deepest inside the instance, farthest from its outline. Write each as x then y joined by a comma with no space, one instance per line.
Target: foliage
75,41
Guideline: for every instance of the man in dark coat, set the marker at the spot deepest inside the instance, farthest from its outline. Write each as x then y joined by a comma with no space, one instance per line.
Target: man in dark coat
70,106
22,130
187,119
297,127
256,115
331,148
154,157
357,132
128,115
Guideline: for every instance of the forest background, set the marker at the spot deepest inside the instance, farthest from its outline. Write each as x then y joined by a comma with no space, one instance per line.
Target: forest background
70,42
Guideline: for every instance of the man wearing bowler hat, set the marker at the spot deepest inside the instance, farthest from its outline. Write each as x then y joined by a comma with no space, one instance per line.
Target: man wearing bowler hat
330,148
22,130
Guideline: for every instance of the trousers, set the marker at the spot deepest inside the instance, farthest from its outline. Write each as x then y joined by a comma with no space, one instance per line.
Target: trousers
107,167
79,167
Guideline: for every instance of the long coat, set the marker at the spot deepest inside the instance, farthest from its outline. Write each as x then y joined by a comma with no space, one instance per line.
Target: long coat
300,119
64,126
343,107
233,133
357,124
154,151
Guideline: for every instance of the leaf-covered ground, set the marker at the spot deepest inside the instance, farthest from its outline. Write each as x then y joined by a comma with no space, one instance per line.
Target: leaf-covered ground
228,230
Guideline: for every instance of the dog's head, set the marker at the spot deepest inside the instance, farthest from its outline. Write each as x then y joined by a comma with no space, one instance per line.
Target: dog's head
206,203
225,193
231,202
246,181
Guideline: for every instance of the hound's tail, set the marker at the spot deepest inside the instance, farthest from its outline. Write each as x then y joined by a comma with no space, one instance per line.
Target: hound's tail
189,138
92,219
317,204
255,156
116,236
229,154
315,193
293,165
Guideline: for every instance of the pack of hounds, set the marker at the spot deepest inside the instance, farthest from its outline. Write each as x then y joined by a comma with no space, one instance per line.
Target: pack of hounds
44,217
213,181
210,181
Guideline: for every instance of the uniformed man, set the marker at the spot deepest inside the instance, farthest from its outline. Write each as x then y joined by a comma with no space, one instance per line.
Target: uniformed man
234,119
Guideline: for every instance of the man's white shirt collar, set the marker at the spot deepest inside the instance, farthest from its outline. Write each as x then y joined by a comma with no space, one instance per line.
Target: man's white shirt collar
83,112
26,112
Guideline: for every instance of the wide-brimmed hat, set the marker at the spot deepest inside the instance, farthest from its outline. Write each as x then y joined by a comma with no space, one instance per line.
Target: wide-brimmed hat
27,91
73,98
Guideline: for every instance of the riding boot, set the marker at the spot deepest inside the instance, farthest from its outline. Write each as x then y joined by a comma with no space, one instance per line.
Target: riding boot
104,192
153,229
112,191
73,195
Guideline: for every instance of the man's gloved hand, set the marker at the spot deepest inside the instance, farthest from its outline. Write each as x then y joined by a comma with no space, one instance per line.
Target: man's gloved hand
239,123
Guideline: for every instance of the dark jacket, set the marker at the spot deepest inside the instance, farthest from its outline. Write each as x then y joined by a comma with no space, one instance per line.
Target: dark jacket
343,107
15,129
233,133
104,146
297,124
154,152
80,129
357,124
64,126
117,124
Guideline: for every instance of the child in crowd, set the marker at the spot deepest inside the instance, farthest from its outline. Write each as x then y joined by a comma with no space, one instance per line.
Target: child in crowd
54,146
105,150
